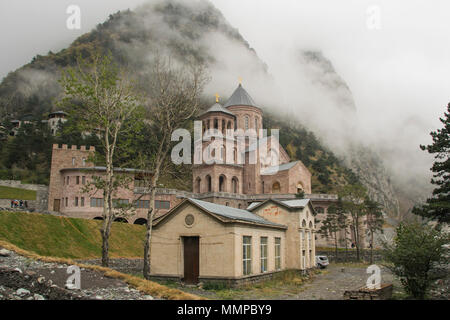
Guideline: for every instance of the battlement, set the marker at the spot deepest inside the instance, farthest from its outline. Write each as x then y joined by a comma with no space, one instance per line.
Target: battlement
72,147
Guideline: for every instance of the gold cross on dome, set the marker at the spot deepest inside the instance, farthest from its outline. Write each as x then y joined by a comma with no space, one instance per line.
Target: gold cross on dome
217,97
240,80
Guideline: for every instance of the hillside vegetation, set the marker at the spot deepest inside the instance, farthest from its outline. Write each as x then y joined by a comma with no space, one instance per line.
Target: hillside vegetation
17,193
49,235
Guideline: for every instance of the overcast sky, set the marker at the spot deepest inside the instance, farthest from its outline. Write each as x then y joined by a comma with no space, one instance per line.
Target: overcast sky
398,69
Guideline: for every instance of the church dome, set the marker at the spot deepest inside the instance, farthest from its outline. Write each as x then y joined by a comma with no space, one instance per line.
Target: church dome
240,97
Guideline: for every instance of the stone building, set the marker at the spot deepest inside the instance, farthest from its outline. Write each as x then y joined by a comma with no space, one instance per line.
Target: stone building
54,119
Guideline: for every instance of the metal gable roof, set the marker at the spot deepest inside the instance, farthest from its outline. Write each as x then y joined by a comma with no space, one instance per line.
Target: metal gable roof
217,107
281,167
232,213
240,97
292,204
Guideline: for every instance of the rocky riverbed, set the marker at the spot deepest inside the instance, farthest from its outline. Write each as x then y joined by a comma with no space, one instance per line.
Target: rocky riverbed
22,278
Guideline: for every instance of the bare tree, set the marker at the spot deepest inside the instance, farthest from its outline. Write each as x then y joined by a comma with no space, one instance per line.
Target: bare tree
173,100
353,202
333,223
374,222
101,99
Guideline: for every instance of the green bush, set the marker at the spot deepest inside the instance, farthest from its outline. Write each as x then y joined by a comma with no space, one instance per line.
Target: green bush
417,251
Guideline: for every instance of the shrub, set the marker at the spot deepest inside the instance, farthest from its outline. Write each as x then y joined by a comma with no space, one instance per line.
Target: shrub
417,251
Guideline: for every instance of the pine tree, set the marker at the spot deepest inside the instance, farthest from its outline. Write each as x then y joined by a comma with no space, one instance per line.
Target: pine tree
438,206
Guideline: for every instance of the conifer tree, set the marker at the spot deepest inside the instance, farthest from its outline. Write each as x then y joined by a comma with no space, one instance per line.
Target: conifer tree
437,207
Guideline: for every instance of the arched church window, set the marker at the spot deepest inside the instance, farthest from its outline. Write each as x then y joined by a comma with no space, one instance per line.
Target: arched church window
263,187
246,120
216,123
198,184
208,183
299,187
234,184
223,127
256,123
276,188
222,184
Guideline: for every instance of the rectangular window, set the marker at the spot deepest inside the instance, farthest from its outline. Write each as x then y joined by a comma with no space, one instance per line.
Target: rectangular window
78,180
139,183
67,201
142,204
247,255
83,180
68,180
263,254
160,204
76,201
73,161
277,253
119,202
96,202
82,201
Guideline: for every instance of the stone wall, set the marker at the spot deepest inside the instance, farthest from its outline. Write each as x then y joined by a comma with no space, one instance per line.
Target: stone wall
350,256
384,293
6,203
41,202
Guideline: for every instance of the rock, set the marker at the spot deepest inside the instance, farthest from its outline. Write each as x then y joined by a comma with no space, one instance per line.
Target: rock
5,253
41,280
147,297
38,297
22,292
52,272
99,297
18,270
342,269
30,273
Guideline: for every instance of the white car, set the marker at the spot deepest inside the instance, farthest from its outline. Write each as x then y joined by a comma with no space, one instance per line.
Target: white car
322,262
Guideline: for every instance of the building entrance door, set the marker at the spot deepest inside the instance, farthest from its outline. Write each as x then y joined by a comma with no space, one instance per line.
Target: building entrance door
56,205
191,259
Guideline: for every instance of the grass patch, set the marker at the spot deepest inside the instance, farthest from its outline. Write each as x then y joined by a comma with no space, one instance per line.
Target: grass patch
73,238
17,193
282,285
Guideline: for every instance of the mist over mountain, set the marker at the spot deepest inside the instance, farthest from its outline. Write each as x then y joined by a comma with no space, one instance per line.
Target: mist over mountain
306,89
